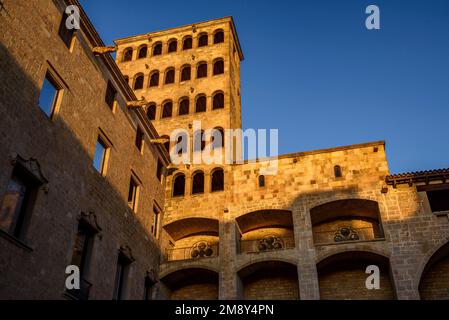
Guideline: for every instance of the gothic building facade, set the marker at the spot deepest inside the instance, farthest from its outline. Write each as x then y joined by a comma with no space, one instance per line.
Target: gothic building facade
86,180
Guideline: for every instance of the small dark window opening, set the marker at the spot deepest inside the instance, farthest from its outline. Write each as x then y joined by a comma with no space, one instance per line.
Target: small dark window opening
219,37
170,76
261,181
187,43
167,109
18,203
217,138
439,200
154,79
151,112
184,106
157,49
200,105
179,185
201,71
133,194
128,54
148,287
111,94
142,52
139,139
138,83
126,79
198,183
337,172
217,180
155,225
202,40
199,142
65,33
218,67
185,73
182,143
159,170
218,101
173,46
121,276
81,256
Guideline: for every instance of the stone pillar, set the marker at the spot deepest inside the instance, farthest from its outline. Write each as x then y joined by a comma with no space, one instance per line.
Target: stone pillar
228,276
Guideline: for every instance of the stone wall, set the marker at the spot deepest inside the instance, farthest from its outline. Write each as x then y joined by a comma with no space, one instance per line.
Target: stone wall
34,267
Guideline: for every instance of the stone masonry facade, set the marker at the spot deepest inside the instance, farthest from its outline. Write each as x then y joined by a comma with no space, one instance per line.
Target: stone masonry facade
156,230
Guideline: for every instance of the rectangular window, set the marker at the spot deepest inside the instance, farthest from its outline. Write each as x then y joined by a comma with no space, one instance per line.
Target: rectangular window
49,95
17,204
111,95
159,170
101,156
133,194
439,200
155,226
81,255
65,33
139,139
121,276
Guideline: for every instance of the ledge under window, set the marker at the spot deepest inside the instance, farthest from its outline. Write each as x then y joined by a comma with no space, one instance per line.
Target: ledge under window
19,243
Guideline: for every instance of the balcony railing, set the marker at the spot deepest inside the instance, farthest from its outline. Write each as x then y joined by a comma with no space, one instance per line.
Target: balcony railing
266,244
82,293
198,251
346,233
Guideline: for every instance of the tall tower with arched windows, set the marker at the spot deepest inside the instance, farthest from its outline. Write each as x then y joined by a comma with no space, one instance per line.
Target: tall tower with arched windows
190,74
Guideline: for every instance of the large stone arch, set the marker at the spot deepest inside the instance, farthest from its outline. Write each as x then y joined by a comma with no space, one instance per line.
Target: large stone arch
348,219
273,279
191,283
433,283
342,276
265,230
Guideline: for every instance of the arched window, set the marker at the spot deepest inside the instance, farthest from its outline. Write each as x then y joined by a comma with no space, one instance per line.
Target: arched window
142,52
201,70
166,144
154,79
151,111
172,45
184,106
200,104
337,172
182,143
217,181
199,141
157,49
170,76
126,79
261,181
179,185
218,67
187,43
218,36
217,138
185,73
218,101
167,109
127,54
138,82
202,40
198,182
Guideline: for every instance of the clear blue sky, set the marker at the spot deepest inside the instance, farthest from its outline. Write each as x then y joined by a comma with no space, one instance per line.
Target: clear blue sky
313,71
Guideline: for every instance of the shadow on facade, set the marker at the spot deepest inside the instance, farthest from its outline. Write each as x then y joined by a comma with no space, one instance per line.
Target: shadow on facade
33,266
